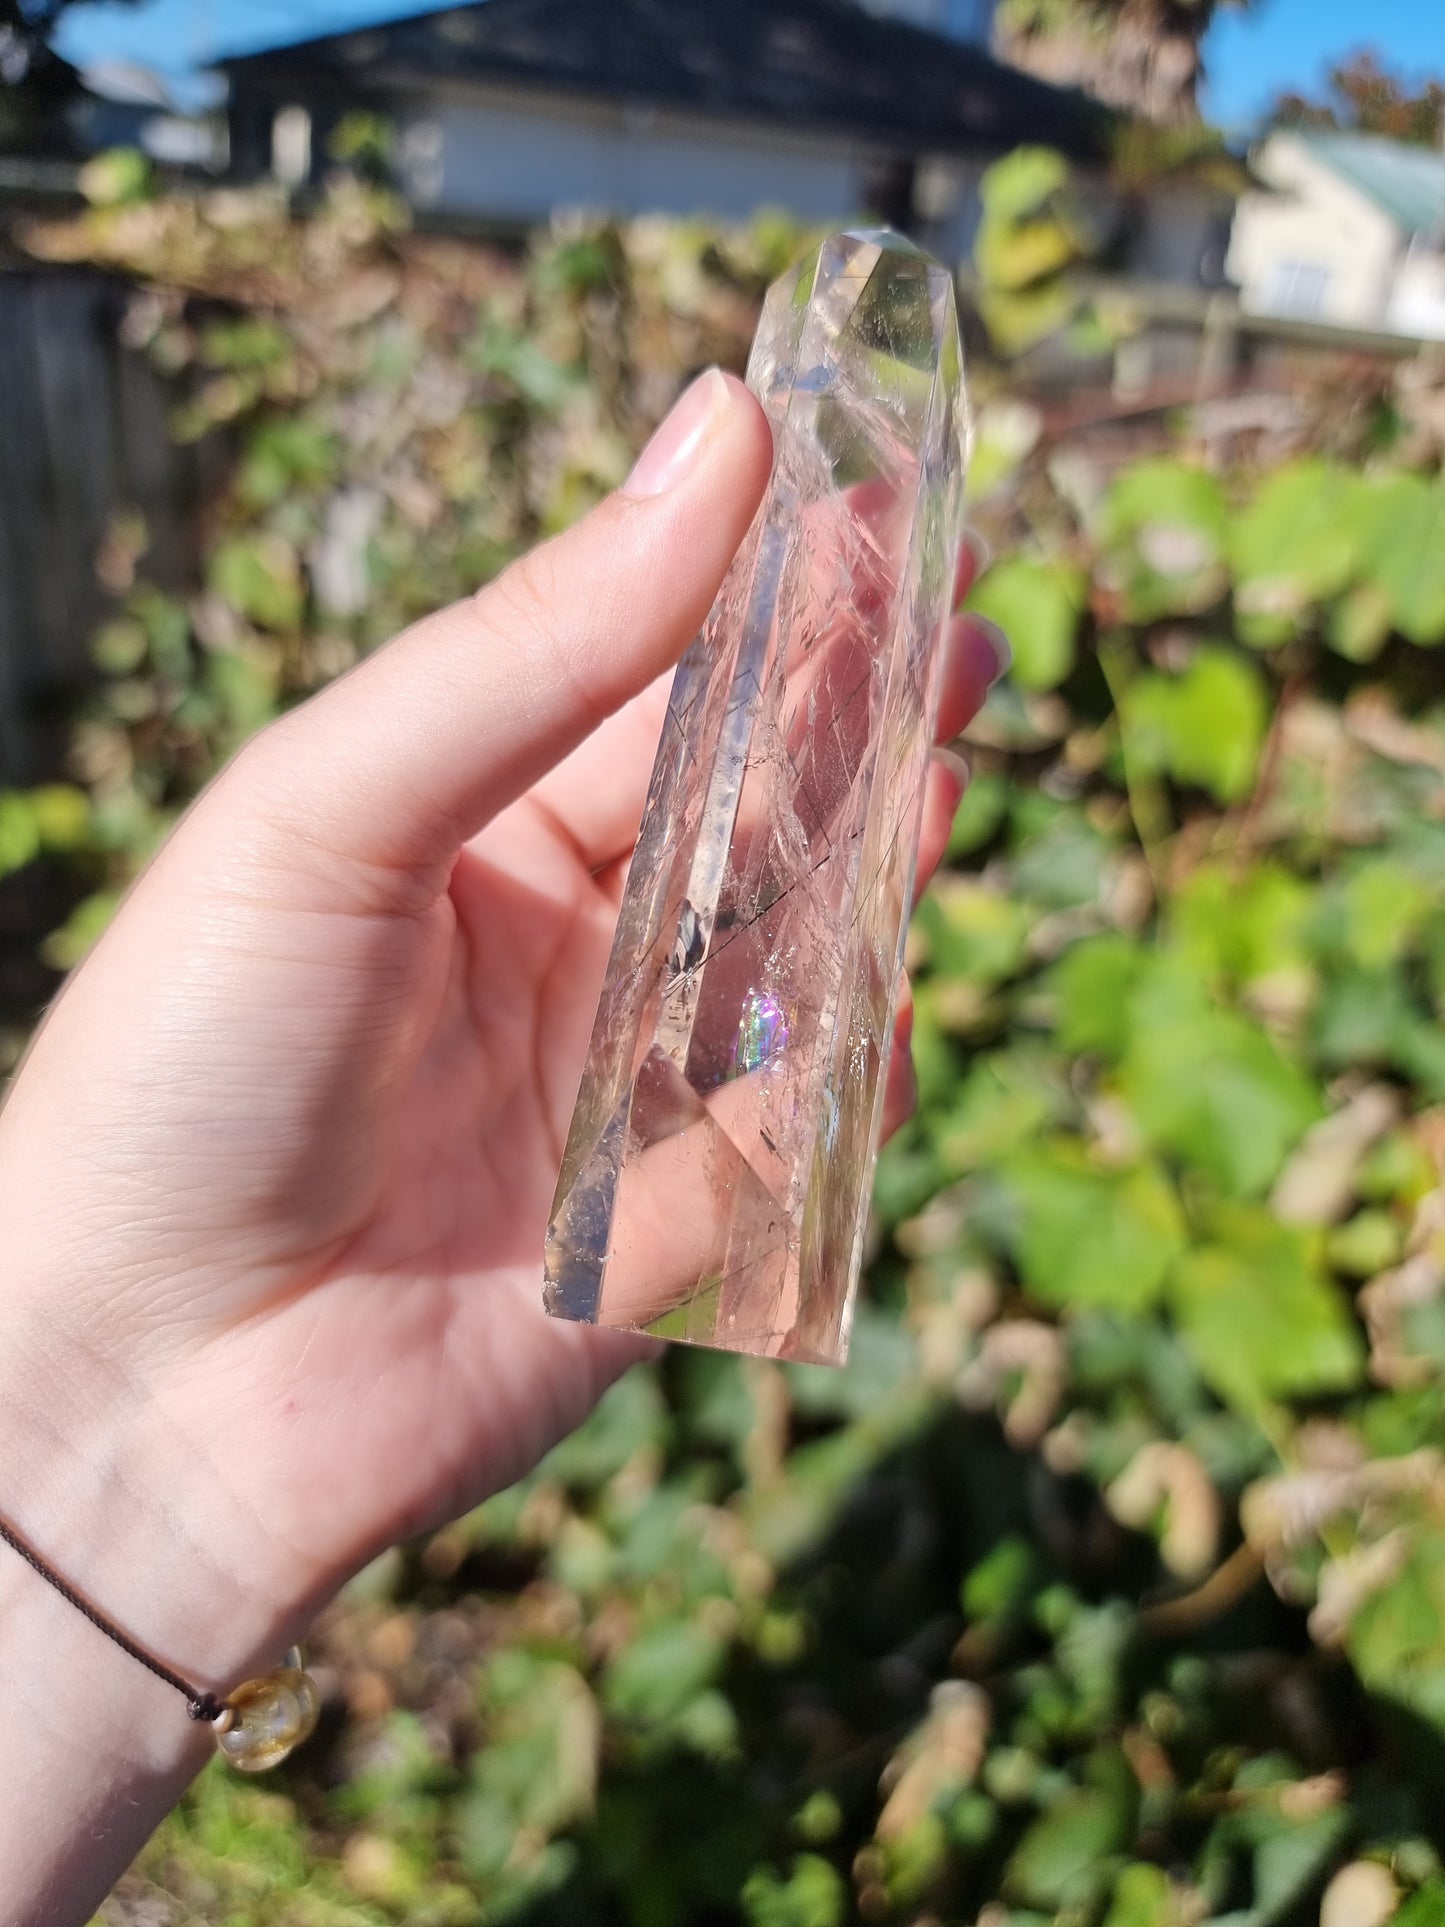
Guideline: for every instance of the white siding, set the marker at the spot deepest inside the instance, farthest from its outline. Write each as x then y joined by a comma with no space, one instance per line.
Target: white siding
1315,247
497,157
1417,307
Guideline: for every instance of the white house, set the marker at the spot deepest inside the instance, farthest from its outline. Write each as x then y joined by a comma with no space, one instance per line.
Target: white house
1347,229
505,110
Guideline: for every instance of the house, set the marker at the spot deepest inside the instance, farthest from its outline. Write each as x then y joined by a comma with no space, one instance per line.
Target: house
1347,229
504,110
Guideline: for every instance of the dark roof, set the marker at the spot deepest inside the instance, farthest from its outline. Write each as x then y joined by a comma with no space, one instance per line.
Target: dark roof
35,107
805,63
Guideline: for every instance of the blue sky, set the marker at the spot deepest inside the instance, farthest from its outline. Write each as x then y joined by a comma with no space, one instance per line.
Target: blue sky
1251,55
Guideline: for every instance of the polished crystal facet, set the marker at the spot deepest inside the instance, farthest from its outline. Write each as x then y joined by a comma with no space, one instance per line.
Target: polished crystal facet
718,1171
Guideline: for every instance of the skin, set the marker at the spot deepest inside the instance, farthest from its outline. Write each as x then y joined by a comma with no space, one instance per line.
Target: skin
275,1173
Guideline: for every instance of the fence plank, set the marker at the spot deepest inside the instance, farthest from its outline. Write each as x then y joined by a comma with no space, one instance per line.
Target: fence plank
82,436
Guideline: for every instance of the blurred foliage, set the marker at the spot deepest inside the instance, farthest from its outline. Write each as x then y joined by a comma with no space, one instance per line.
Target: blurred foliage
1364,97
1040,222
1143,56
1033,228
1107,1584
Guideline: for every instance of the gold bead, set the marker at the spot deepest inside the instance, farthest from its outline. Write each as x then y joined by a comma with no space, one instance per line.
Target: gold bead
267,1719
304,1687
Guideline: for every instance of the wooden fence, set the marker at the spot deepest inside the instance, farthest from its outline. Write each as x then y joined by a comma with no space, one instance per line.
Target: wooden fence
83,436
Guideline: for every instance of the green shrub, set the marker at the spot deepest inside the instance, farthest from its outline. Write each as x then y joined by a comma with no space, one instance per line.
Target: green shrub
1107,1584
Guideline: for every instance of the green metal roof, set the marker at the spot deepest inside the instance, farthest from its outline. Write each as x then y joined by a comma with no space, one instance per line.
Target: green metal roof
1407,183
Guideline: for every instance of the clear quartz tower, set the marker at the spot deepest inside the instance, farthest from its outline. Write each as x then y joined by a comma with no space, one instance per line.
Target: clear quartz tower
718,1171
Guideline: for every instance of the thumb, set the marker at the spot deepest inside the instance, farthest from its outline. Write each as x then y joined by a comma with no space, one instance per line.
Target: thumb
398,763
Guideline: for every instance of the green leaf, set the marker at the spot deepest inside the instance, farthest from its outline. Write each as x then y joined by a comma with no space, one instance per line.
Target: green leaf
119,647
1386,907
1006,431
62,815
1038,605
973,932
1086,1237
1062,1860
1424,1908
1419,1052
1017,321
1162,533
404,1767
708,1726
978,816
1060,860
1371,1242
1361,1017
915,1859
1398,1632
1205,726
1358,625
814,1895
1238,926
631,1417
245,342
1404,553
1142,1898
116,177
64,948
544,1735
260,576
1260,1317
167,624
292,452
1213,1087
244,689
19,831
1002,1104
1370,1017
998,1591
1398,1170
514,358
1011,256
1290,1859
934,1058
666,1665
1022,182
1299,541
1094,983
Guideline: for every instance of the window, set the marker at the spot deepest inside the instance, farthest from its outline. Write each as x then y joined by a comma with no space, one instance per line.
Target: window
1295,287
291,146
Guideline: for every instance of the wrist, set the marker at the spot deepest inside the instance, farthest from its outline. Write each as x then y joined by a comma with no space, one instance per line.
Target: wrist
97,1476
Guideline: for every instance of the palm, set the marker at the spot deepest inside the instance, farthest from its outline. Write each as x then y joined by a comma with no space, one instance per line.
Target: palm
374,1358
417,1374
307,1102
433,1208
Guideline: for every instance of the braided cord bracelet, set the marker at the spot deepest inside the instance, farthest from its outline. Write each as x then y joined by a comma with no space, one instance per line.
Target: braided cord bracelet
256,1727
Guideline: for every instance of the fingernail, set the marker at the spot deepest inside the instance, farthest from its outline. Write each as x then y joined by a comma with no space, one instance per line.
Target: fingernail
681,437
956,771
976,542
903,1022
994,640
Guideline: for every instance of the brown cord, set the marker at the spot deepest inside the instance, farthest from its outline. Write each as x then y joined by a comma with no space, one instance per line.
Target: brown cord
200,1706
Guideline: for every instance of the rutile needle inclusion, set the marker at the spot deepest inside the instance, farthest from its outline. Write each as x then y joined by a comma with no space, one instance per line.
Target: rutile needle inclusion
718,1170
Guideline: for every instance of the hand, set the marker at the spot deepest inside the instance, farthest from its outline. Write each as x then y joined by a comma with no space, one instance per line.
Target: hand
275,1174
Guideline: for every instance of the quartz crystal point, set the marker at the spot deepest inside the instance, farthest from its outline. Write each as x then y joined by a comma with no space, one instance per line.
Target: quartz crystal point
718,1171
